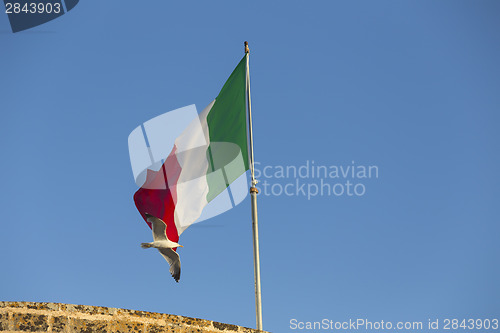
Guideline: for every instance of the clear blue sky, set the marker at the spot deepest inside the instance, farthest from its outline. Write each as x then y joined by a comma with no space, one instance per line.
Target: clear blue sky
409,86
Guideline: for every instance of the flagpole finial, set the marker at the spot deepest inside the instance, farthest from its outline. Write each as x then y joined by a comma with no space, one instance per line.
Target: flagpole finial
247,50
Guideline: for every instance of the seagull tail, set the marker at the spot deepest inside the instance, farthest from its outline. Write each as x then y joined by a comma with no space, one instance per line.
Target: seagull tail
146,245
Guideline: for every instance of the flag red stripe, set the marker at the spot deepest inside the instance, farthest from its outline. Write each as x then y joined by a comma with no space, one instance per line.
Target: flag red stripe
155,197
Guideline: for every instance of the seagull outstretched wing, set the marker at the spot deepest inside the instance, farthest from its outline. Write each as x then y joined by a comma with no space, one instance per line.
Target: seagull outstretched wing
174,261
159,228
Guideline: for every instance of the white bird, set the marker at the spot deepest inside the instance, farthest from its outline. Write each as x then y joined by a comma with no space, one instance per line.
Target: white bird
164,245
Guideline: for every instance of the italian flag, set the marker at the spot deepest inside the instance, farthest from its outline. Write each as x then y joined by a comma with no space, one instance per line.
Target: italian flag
210,154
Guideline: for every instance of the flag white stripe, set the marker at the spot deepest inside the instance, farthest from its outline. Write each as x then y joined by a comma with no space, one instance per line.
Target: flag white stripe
192,185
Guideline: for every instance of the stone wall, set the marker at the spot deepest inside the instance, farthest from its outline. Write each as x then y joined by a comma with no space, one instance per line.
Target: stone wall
68,318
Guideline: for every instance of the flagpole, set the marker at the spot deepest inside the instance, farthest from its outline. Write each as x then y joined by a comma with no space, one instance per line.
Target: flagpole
253,195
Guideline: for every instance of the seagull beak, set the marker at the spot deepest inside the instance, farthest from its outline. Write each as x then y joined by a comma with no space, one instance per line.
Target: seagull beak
181,246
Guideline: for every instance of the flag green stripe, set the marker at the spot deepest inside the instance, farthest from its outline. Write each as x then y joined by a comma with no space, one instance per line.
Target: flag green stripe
227,122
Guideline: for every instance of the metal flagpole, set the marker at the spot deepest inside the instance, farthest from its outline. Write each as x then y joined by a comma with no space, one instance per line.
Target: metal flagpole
253,195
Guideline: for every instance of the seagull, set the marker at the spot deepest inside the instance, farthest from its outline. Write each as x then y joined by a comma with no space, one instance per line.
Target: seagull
164,245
